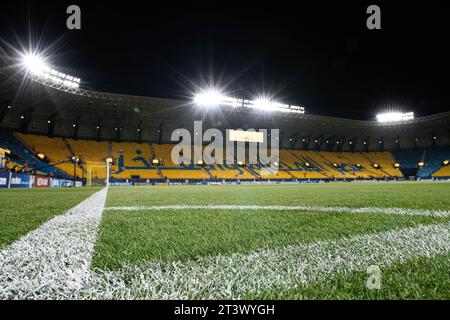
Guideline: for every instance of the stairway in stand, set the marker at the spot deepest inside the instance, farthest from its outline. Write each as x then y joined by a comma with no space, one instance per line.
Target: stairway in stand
211,176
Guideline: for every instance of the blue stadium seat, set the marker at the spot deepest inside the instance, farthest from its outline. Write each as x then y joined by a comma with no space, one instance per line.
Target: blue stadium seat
408,159
433,161
8,141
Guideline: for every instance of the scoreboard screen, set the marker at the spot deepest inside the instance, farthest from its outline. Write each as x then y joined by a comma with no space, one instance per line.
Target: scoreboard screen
246,136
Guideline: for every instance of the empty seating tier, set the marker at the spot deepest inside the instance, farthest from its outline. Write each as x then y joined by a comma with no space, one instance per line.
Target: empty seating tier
136,161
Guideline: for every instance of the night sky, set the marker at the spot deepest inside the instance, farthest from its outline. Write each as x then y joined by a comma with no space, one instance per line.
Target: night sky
315,54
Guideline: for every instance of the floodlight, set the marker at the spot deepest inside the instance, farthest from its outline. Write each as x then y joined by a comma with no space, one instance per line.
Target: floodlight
392,117
358,165
209,98
34,64
263,104
421,164
376,165
40,155
445,162
213,98
397,165
307,164
335,165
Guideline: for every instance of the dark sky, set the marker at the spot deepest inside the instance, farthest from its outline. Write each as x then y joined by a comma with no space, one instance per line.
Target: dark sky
316,54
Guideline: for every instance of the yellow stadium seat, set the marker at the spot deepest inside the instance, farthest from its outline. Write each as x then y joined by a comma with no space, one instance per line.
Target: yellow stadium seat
53,148
443,172
185,174
137,162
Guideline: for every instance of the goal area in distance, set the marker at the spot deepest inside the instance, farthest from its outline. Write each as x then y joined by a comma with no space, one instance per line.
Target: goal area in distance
96,173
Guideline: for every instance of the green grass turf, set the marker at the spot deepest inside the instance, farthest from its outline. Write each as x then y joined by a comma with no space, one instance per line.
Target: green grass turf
134,237
403,195
23,210
422,278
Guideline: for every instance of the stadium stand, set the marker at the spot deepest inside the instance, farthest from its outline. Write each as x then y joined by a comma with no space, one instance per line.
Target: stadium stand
54,149
134,154
172,171
88,150
137,174
443,172
227,172
302,170
386,162
408,159
93,155
335,165
163,153
182,174
433,159
135,161
363,165
288,160
345,165
264,172
24,158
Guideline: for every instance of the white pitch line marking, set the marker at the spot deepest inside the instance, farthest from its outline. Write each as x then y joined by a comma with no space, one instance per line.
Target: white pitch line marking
233,276
53,260
401,211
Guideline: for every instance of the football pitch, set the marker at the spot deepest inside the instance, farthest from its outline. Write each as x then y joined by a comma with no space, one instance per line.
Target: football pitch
312,241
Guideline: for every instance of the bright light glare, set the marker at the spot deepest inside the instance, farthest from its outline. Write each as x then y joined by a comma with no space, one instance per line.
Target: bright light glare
389,117
36,65
209,98
264,104
214,98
